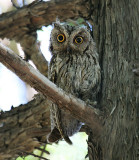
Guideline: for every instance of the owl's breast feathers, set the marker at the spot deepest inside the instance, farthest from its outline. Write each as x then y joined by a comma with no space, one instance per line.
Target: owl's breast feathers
76,74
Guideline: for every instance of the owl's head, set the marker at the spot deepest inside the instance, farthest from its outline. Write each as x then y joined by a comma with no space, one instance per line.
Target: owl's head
69,39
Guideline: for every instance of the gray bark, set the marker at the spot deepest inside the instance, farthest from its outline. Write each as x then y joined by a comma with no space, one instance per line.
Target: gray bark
116,27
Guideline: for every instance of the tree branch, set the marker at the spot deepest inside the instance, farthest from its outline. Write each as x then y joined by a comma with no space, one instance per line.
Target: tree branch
78,108
32,51
23,128
25,21
30,18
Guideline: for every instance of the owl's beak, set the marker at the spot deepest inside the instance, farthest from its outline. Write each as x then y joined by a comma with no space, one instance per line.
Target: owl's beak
68,49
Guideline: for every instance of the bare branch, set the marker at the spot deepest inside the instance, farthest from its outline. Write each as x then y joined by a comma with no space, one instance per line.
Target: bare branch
34,155
30,18
32,51
42,149
23,128
75,106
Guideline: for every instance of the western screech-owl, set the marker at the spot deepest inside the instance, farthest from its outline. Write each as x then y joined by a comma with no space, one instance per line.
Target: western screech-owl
74,67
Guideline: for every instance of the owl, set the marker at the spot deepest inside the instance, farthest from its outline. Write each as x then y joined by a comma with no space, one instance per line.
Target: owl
74,67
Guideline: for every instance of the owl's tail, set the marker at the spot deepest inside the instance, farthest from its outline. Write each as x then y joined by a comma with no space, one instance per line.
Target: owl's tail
55,135
66,138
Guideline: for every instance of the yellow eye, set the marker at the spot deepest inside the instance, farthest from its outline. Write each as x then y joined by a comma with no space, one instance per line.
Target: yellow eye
60,37
78,40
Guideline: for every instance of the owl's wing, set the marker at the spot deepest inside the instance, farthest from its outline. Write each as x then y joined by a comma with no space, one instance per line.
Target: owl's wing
54,136
57,129
56,123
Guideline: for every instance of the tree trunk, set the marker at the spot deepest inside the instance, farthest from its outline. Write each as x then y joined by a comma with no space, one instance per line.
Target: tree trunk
116,29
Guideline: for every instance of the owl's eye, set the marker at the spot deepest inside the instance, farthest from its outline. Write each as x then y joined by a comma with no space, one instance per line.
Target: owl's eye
78,40
60,37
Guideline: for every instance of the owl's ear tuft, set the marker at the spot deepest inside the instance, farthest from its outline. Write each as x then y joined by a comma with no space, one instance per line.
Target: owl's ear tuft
56,25
54,136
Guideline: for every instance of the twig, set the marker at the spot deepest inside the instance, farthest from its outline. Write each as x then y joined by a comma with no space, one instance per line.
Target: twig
43,150
35,155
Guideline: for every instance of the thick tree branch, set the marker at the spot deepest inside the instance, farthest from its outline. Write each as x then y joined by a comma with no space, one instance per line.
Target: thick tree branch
23,128
26,72
30,18
32,51
23,23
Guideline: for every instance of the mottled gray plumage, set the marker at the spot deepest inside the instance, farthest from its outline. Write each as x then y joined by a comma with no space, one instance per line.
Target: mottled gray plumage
74,67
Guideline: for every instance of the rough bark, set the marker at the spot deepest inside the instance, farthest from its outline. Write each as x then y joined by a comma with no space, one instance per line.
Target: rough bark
116,33
34,16
23,128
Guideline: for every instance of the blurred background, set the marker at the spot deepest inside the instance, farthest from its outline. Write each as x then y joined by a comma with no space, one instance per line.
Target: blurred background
13,92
